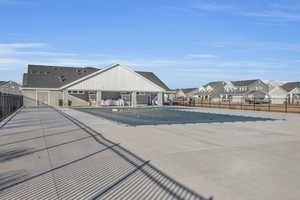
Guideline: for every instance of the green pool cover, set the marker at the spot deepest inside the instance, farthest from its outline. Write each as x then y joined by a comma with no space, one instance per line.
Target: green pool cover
165,115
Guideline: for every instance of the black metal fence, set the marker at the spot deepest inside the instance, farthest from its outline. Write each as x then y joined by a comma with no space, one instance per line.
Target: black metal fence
9,103
256,104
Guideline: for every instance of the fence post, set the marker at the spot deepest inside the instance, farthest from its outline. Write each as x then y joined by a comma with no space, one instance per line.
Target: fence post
9,103
254,103
270,104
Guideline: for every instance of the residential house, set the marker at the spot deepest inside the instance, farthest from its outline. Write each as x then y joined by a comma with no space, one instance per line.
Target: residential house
245,90
278,95
233,91
186,93
289,92
10,87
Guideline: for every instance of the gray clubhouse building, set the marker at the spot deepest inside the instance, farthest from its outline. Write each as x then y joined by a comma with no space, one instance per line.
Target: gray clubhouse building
114,85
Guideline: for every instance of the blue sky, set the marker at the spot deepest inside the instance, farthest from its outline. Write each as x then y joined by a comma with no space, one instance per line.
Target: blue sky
185,42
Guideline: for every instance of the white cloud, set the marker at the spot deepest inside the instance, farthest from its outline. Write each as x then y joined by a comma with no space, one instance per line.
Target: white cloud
12,48
15,2
202,56
254,45
276,15
286,7
45,53
272,12
213,6
7,61
103,55
22,45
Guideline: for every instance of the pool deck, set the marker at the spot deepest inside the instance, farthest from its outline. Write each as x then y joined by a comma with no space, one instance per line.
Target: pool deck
232,160
46,154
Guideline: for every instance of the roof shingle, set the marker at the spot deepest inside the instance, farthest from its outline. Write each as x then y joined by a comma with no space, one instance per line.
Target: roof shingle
290,86
244,82
44,76
3,82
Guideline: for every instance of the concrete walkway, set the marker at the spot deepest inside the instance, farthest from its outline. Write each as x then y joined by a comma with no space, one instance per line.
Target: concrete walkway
45,154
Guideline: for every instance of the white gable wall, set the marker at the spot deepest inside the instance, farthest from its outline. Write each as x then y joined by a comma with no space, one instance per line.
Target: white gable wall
278,95
229,87
117,79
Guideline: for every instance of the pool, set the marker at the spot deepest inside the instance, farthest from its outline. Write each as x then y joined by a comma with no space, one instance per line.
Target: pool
164,115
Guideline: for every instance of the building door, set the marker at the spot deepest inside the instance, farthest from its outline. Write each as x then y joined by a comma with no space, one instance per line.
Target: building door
42,98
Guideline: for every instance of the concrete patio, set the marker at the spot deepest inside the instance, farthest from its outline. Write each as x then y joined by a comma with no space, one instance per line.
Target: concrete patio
45,154
238,160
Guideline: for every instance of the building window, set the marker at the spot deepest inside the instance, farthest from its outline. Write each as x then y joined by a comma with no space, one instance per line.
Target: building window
80,92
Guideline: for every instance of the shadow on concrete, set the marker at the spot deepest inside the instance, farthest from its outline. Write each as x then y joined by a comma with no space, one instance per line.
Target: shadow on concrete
19,126
30,131
35,138
134,177
25,121
11,177
7,155
164,183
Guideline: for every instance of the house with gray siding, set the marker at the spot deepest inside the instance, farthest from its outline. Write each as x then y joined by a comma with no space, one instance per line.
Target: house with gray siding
286,93
233,91
69,86
186,93
10,87
212,91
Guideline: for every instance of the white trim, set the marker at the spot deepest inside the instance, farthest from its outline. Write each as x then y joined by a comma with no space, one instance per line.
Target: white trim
108,68
125,67
94,74
294,90
88,76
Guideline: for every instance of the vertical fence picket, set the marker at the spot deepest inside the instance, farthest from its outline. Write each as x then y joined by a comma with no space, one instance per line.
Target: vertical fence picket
9,103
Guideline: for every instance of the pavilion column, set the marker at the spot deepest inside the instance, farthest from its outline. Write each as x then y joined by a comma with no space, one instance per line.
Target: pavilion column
133,99
160,99
65,98
99,98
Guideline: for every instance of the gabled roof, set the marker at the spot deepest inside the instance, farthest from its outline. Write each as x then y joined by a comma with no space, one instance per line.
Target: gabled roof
188,90
153,78
44,76
3,82
244,82
290,86
215,84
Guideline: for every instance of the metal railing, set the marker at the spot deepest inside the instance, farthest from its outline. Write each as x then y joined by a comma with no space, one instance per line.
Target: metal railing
9,103
256,104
